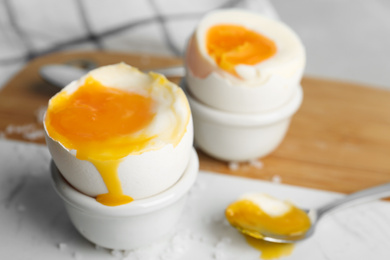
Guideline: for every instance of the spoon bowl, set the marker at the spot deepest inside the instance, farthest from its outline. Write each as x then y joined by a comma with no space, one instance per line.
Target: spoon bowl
315,215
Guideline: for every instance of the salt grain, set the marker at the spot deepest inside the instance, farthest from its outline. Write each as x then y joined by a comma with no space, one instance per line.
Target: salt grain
276,179
28,131
40,113
116,253
233,166
34,135
257,164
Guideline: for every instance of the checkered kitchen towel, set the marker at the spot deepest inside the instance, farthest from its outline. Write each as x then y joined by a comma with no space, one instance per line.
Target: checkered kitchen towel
30,28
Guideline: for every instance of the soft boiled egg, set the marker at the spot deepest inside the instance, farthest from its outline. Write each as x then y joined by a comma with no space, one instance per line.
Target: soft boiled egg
118,134
239,61
257,214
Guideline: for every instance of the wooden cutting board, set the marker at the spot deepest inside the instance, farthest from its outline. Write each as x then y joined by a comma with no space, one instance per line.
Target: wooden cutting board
339,140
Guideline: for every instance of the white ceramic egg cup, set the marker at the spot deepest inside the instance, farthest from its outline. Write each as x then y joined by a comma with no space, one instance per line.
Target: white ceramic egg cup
241,136
129,226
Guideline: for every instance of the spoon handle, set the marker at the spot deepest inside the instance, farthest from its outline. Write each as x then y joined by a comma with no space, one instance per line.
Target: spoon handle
377,192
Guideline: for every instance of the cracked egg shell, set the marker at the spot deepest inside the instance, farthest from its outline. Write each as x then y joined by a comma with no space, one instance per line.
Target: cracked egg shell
221,71
118,134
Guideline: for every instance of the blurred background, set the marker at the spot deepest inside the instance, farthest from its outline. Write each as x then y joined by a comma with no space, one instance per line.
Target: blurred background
345,39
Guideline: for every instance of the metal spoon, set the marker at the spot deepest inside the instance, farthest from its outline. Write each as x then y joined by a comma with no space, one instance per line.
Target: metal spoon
377,192
61,75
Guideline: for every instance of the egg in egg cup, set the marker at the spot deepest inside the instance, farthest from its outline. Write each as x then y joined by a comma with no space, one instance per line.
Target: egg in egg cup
121,141
243,74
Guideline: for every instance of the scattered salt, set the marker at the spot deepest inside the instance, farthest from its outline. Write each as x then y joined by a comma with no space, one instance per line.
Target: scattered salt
116,253
28,131
14,129
34,135
257,164
40,113
233,166
276,179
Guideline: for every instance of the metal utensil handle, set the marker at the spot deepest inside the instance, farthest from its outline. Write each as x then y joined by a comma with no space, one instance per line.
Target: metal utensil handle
377,192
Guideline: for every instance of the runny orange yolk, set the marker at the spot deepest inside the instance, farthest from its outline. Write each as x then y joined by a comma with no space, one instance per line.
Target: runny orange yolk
249,216
251,220
231,45
270,250
103,125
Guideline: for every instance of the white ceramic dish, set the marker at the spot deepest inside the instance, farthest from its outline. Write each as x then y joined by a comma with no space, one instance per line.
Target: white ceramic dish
129,226
219,93
241,137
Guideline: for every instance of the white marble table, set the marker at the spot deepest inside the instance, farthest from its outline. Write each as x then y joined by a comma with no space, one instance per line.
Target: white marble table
34,223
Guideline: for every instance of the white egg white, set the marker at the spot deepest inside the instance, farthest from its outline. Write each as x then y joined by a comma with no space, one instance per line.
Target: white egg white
270,205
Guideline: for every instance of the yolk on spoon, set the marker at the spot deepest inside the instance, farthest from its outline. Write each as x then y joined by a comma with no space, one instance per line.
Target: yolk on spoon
251,220
103,124
248,216
231,45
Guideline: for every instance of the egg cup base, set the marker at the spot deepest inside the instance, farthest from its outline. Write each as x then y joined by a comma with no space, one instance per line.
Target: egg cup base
241,137
130,226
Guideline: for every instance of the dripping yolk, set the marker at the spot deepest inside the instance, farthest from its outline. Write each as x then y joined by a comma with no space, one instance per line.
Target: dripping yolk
270,250
231,45
104,125
252,220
